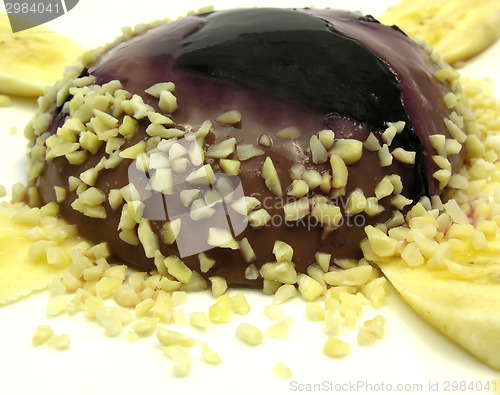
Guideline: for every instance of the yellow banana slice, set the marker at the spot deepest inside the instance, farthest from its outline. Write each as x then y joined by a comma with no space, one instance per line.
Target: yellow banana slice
33,60
22,269
464,308
458,29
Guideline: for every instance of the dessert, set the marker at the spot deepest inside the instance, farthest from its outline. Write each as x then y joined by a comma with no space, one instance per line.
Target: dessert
103,150
375,125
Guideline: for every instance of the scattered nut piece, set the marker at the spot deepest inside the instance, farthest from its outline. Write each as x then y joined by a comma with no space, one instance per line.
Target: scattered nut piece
404,156
180,358
112,327
381,244
247,251
275,314
339,171
312,177
144,307
375,290
170,230
309,288
168,337
372,143
178,269
219,285
278,330
385,156
265,140
327,138
59,342
356,202
318,151
179,318
323,260
222,238
329,215
315,312
355,276
298,188
389,134
230,166
229,118
335,347
247,151
284,293
384,188
206,263
297,209
371,331
168,102
258,219
350,150
249,334
198,320
156,89
221,311
178,298
296,171
282,371
270,176
222,150
288,133
209,356
282,251
240,305
57,305
251,272
42,334
283,272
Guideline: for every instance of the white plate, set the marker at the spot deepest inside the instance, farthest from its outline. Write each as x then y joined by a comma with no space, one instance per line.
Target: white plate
412,357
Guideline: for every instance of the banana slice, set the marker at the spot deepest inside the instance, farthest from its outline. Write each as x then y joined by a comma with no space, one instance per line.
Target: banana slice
464,307
20,273
458,29
33,60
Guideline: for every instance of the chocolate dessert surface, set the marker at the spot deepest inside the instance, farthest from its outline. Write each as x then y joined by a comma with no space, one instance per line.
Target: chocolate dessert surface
250,144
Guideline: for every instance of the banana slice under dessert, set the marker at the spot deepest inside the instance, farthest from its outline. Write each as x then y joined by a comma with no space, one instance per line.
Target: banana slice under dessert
445,258
25,263
465,307
33,60
458,29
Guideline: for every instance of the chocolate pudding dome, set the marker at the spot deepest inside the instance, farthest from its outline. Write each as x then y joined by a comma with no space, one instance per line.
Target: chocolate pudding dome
249,144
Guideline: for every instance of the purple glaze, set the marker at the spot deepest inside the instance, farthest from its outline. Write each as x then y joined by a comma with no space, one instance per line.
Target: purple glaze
150,58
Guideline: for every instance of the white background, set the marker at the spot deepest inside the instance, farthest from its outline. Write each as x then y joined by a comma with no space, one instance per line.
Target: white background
410,353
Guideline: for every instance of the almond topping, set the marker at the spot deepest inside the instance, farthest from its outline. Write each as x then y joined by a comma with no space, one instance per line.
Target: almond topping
258,219
288,133
229,118
297,209
168,102
222,238
327,138
247,151
349,150
318,150
222,149
270,175
339,171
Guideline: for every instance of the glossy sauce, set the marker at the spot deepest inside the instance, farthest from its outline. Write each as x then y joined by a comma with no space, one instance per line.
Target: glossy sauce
279,68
